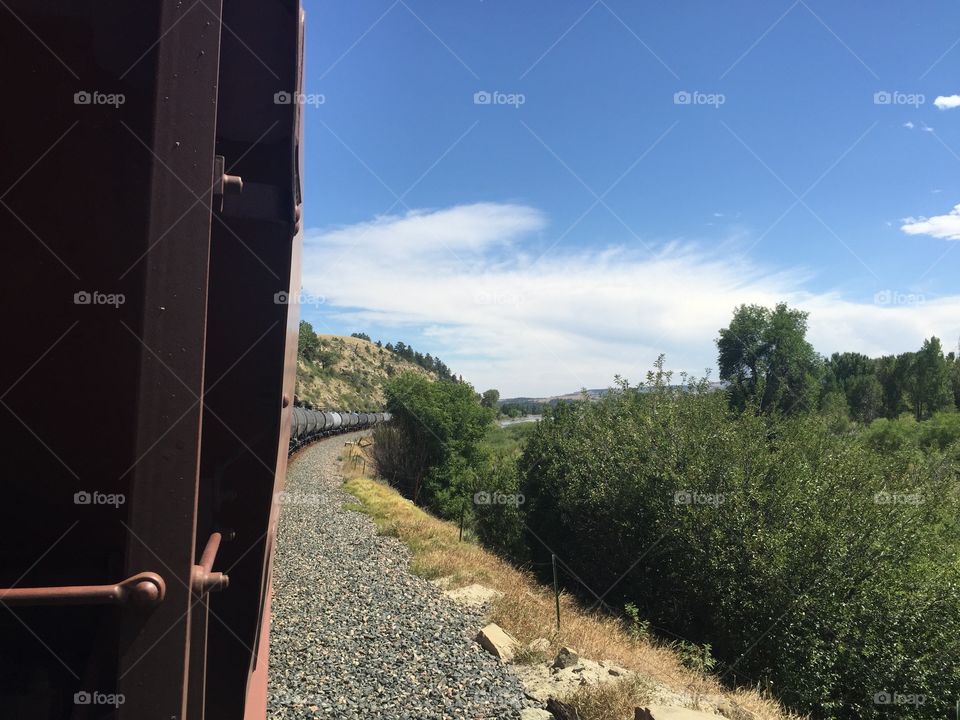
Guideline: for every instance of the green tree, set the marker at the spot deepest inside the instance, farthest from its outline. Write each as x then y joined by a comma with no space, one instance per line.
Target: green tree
929,380
308,345
431,448
864,395
855,375
490,398
955,378
892,372
765,356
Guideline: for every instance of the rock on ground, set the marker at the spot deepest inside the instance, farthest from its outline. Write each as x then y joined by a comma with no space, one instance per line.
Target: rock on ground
535,714
498,642
542,682
475,595
660,712
353,633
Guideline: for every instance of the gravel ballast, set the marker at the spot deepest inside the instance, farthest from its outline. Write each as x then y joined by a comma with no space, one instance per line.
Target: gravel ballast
353,633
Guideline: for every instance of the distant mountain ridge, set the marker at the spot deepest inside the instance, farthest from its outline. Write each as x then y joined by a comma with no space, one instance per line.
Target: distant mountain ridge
594,394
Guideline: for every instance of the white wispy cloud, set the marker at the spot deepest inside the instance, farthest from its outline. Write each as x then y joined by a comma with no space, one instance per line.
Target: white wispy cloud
466,277
945,227
947,102
454,231
909,125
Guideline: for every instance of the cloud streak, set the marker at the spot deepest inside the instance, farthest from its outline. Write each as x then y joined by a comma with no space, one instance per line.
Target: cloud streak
467,277
947,102
944,227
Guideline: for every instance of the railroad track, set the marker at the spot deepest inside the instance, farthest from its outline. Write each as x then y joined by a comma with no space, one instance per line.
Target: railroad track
353,633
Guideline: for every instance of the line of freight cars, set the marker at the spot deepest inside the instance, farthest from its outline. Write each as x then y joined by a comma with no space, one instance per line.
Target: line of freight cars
308,425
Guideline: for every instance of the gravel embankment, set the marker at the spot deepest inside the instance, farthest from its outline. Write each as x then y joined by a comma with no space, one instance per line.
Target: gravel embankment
354,634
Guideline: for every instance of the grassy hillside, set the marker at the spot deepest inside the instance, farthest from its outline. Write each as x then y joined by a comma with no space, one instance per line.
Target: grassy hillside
347,373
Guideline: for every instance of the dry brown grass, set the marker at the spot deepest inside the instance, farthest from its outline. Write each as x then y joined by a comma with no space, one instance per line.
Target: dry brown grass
526,610
337,387
610,701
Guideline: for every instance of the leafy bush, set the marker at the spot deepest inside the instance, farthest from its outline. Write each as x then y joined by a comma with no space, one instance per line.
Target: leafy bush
430,451
637,628
905,435
822,564
498,518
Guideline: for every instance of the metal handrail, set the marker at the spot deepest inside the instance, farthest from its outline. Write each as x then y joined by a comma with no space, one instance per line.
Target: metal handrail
204,579
145,588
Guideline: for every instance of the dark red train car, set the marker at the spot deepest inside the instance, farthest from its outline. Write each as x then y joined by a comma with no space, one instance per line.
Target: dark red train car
150,211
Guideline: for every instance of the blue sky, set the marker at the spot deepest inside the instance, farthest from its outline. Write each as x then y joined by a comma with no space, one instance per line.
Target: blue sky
643,168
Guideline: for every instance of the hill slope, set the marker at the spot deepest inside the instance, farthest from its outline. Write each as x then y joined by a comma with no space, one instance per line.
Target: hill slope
347,373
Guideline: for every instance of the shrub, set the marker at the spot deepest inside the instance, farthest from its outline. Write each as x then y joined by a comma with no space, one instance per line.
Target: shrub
431,450
821,564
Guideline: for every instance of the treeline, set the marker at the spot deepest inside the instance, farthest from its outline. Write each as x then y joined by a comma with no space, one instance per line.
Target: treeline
311,349
424,360
801,527
821,565
920,382
518,408
765,357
